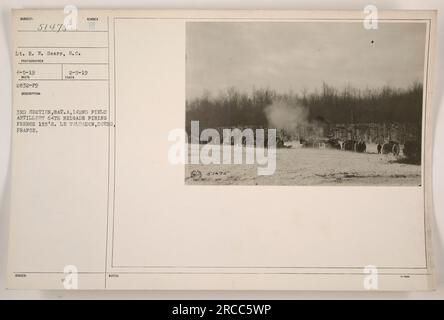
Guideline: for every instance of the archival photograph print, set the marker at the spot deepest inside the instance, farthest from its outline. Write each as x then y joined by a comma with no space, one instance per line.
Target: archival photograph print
304,103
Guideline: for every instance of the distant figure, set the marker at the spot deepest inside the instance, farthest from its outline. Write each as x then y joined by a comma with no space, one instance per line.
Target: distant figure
361,146
395,149
379,148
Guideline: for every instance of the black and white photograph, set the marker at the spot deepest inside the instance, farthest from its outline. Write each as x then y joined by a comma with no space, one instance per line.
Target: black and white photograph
344,102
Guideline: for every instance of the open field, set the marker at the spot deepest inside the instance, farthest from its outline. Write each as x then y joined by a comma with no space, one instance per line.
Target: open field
306,166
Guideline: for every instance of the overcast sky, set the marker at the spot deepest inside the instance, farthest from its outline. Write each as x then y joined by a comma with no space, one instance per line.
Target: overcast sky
293,56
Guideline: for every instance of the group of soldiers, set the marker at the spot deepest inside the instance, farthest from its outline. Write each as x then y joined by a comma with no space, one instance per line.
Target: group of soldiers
352,145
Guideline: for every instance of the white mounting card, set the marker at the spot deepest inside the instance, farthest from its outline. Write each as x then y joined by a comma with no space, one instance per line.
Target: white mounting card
221,150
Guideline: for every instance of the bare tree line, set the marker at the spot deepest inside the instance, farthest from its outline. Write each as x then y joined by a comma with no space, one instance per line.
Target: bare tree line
233,108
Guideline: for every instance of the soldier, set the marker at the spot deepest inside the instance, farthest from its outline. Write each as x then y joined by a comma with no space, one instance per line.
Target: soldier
395,149
379,148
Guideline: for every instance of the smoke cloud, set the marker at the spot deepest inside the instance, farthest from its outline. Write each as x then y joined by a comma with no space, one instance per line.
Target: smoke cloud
281,115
